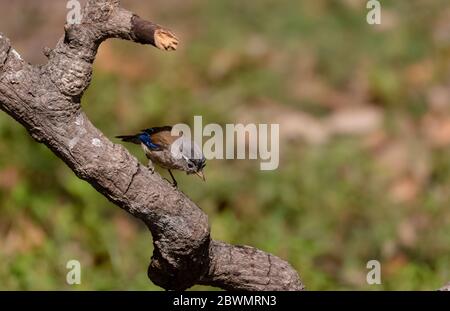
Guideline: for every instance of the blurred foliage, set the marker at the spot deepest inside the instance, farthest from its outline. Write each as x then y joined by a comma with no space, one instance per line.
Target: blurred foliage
366,178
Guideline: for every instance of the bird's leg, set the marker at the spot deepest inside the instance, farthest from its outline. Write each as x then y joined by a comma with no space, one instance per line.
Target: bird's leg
174,182
150,166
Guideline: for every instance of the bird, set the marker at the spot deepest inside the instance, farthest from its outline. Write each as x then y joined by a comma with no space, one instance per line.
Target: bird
169,151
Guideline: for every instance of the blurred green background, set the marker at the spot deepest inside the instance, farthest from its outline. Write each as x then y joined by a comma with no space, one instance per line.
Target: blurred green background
364,114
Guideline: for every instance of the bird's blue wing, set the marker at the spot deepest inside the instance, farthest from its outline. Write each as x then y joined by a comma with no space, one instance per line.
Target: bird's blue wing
146,140
160,136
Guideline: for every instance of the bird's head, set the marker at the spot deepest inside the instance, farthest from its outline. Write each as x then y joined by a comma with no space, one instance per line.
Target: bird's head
196,166
192,159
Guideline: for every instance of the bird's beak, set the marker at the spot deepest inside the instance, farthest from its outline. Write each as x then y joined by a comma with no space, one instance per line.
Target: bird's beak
201,175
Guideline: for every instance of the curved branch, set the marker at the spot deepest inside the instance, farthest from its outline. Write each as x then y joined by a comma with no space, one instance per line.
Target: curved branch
46,101
247,268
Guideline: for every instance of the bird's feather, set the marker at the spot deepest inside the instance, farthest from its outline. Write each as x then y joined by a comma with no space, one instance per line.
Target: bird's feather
148,141
157,129
130,138
161,136
164,139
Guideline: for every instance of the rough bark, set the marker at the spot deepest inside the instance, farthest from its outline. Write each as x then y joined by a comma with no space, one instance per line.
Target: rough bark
46,100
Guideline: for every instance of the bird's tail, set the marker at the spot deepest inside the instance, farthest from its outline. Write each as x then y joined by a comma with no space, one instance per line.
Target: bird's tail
130,138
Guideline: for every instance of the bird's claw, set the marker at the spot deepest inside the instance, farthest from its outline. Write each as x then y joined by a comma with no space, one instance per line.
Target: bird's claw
174,181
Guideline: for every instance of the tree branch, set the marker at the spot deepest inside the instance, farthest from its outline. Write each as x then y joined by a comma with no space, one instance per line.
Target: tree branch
46,100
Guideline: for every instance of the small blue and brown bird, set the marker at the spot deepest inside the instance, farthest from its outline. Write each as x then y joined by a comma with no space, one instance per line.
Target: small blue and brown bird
169,151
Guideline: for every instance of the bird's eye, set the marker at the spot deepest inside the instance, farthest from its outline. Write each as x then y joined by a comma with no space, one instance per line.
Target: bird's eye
190,165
